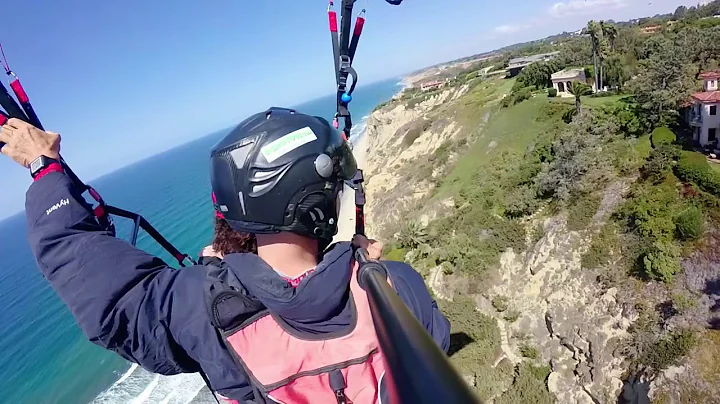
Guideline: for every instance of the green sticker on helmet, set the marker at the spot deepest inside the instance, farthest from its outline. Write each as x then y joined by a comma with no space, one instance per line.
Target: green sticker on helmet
287,143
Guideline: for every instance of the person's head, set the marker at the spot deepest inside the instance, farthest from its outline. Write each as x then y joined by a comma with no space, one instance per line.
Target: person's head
278,175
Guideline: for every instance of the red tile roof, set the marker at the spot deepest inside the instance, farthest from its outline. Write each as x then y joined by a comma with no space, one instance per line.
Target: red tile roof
710,75
707,97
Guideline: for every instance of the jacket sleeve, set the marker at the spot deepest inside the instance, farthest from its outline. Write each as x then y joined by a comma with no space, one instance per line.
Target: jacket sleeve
411,287
122,298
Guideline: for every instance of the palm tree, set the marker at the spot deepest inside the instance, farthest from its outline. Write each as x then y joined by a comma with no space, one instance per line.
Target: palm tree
610,32
606,45
579,89
595,32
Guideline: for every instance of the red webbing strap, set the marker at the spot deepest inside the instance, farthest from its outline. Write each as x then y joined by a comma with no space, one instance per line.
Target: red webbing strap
52,168
332,17
359,25
19,91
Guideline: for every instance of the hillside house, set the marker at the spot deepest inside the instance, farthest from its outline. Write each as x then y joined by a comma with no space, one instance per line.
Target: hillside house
431,85
562,79
652,29
703,112
517,64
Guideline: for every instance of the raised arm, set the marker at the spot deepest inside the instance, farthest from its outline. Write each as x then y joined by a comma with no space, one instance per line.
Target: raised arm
121,297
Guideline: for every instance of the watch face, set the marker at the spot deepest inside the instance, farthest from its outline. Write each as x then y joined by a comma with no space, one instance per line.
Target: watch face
36,165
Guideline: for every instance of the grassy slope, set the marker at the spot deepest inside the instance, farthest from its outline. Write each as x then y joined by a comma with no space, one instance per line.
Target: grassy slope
511,129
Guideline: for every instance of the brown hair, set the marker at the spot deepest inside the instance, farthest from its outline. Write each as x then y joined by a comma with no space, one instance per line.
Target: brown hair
229,241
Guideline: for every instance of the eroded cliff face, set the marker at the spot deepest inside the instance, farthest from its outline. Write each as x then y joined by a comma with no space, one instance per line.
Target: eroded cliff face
390,158
576,326
560,309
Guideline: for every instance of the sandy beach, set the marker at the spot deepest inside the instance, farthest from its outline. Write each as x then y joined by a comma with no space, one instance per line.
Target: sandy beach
347,209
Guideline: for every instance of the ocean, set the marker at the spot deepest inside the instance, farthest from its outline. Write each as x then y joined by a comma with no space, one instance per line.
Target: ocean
44,357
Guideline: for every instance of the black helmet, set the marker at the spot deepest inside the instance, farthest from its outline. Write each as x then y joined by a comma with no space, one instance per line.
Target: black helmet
281,170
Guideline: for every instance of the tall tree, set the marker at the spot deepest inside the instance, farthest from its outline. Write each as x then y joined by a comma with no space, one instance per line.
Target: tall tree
606,44
579,89
610,33
665,80
680,13
595,32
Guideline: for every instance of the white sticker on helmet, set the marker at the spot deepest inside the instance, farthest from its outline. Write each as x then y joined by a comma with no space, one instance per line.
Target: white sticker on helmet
287,143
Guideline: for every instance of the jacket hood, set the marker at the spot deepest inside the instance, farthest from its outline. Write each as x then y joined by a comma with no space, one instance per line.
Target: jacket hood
318,305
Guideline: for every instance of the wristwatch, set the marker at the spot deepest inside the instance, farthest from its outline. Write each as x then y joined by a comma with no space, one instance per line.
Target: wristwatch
40,164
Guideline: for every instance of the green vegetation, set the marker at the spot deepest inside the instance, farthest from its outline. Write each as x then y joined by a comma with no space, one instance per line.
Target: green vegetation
693,167
553,92
529,386
604,243
668,351
511,315
690,223
525,151
395,254
529,351
500,303
662,136
581,211
579,90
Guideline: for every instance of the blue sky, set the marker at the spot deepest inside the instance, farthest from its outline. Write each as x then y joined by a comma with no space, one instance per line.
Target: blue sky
124,80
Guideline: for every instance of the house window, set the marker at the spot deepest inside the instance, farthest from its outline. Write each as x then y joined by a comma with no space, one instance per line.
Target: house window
713,110
712,135
561,87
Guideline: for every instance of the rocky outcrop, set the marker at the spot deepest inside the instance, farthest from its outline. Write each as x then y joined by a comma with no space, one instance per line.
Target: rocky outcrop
575,325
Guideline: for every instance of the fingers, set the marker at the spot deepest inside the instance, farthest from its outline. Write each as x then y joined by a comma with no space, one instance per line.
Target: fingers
373,247
16,123
360,241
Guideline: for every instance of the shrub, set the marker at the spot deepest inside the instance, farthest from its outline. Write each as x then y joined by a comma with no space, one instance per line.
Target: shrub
660,261
511,315
658,165
603,244
412,235
529,351
662,136
693,167
683,302
522,95
521,201
668,351
482,330
529,386
650,212
507,101
553,92
690,224
395,254
500,303
581,212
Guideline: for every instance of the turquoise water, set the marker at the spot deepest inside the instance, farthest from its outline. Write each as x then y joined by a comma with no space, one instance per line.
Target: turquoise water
44,357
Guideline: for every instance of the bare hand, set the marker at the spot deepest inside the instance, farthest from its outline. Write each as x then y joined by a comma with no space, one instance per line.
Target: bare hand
373,247
24,143
209,251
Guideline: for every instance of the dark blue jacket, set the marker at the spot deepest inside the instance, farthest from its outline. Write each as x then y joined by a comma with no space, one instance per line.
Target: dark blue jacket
135,305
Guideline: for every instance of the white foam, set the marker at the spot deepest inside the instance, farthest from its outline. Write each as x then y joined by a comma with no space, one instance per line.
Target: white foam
147,392
127,374
138,386
358,130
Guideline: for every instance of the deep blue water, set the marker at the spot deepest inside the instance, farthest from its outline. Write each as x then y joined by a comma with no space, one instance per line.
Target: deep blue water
44,357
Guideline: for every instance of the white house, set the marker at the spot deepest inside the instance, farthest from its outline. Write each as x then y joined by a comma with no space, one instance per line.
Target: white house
562,79
703,114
